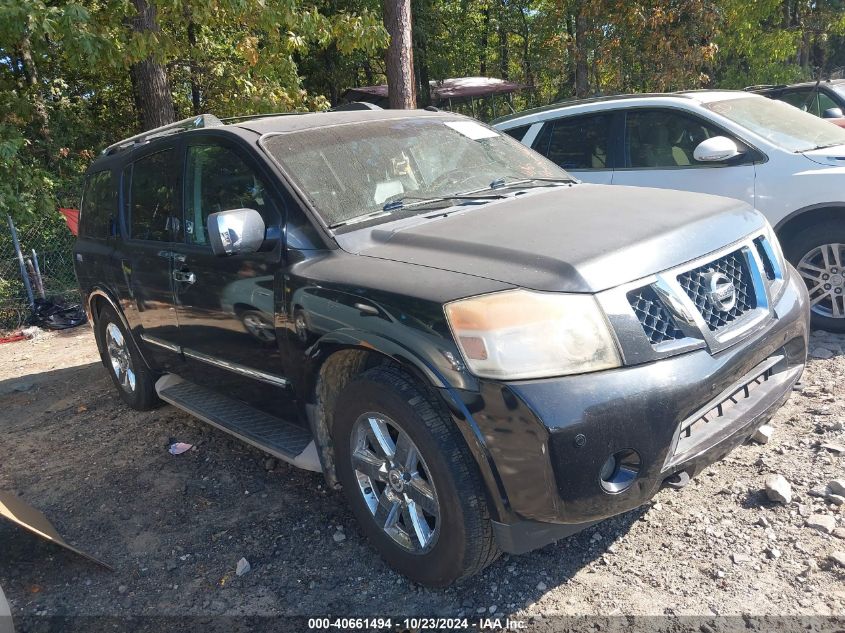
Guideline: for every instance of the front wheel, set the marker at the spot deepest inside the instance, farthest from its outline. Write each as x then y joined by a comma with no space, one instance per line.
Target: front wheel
135,382
818,253
410,480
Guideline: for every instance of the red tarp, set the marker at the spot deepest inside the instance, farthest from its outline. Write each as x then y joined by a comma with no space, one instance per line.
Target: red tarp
72,219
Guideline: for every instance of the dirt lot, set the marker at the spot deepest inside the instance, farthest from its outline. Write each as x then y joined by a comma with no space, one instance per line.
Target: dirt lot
174,527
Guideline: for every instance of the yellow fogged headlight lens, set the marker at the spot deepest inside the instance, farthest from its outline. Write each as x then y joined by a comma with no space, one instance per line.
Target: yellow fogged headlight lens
522,334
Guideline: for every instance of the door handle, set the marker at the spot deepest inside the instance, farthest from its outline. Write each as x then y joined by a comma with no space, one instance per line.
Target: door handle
184,277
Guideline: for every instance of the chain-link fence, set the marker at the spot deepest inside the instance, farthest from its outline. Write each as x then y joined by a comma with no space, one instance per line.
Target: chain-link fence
49,268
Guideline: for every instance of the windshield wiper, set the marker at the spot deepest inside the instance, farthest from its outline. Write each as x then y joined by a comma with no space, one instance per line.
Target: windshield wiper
406,202
413,201
501,183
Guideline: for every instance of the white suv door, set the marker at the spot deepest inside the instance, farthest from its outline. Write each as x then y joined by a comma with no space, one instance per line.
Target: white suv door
658,151
581,145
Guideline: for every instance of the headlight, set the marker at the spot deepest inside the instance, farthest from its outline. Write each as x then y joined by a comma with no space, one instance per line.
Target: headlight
522,334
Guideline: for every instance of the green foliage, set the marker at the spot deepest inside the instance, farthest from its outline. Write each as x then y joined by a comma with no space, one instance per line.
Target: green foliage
65,90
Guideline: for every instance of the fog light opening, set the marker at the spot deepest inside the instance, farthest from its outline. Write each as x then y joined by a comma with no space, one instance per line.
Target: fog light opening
619,471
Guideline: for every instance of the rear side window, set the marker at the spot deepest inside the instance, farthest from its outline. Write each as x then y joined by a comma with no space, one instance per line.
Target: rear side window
576,142
517,132
99,204
152,196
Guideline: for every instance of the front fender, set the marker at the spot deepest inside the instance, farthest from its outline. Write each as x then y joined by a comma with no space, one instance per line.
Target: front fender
450,380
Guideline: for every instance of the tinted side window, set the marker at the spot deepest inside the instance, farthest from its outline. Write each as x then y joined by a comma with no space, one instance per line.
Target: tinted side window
826,103
152,196
217,179
799,98
576,142
662,138
517,132
99,204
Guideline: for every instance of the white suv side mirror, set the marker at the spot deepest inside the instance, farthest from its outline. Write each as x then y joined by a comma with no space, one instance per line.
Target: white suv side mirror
715,150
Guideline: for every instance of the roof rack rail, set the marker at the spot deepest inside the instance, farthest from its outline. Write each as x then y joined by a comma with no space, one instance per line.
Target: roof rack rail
249,117
355,105
193,123
763,87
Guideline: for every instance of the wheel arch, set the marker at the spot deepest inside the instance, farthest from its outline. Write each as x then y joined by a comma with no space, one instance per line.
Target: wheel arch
97,299
799,220
335,360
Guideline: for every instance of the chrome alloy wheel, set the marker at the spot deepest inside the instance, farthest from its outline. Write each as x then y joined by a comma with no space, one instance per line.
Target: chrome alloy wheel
259,327
395,482
822,270
121,361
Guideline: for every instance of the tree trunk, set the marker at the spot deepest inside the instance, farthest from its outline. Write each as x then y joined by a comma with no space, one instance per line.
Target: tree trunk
196,99
149,77
400,55
485,37
30,71
504,57
582,84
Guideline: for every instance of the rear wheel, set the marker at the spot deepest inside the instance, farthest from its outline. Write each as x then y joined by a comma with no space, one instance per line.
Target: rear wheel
134,381
818,253
410,480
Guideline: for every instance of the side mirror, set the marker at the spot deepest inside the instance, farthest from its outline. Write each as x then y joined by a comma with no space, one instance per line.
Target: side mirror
235,231
833,113
716,150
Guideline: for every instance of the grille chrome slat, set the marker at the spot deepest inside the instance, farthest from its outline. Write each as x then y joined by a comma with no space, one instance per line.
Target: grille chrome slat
733,266
657,322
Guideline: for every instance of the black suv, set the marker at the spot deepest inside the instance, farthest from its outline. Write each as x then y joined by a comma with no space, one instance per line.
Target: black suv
485,354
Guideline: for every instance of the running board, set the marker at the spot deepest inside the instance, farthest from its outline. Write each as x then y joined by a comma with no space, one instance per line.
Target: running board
285,440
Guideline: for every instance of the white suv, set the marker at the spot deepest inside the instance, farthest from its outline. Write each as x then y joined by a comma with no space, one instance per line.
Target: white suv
788,164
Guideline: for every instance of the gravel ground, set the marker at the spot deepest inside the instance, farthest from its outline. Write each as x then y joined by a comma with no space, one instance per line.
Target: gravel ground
175,527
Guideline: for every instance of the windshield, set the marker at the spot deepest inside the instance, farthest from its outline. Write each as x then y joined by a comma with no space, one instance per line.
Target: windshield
780,123
362,168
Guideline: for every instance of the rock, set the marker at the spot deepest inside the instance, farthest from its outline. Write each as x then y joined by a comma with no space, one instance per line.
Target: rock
339,537
243,567
822,522
836,500
773,553
822,353
839,533
171,565
481,610
270,463
763,522
122,589
492,609
763,434
836,487
778,489
541,586
739,558
819,491
834,447
804,510
837,558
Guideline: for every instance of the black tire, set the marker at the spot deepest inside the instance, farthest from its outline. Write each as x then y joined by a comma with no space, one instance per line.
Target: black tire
143,397
465,543
802,244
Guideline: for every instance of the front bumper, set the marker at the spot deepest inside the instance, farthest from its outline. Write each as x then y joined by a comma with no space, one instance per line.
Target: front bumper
549,438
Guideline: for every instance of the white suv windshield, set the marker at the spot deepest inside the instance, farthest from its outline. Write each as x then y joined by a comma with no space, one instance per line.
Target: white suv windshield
361,168
782,124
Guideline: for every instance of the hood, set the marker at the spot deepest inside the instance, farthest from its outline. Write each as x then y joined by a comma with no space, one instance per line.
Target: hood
830,156
583,238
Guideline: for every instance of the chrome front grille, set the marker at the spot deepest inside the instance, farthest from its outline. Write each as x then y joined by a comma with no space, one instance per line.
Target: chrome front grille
735,268
658,324
711,302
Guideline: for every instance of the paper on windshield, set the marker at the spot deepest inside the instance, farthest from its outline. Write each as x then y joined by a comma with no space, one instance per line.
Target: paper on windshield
472,130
